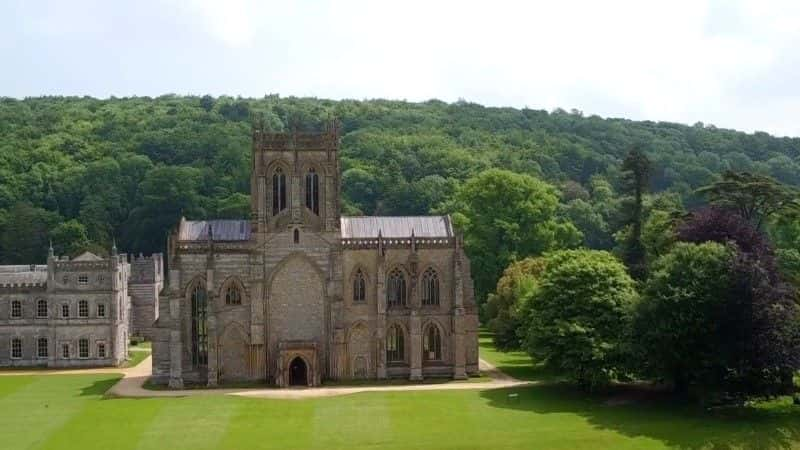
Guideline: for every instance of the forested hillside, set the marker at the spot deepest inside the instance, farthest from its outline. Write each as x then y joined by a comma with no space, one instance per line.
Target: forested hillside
83,171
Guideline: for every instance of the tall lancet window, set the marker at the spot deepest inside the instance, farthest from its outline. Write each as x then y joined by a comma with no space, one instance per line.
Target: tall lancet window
430,287
396,288
359,287
278,191
199,327
312,191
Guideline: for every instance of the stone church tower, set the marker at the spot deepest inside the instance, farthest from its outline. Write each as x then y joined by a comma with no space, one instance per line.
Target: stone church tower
298,294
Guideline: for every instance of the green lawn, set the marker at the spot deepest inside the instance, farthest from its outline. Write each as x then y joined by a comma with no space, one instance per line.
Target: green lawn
70,412
137,354
517,364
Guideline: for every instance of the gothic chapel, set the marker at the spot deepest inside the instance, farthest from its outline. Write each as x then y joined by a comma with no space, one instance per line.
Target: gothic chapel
298,293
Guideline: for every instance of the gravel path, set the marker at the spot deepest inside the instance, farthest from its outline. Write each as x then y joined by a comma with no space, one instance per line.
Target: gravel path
131,385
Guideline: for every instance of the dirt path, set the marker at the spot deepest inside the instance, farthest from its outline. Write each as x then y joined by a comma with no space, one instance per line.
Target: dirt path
132,384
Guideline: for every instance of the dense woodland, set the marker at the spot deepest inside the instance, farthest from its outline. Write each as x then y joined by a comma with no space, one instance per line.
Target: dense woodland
83,171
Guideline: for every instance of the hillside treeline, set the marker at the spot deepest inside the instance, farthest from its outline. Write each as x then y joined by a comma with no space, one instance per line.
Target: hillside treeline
83,172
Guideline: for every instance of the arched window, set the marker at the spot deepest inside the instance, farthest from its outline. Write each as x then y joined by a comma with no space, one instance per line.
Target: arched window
278,191
233,296
312,191
296,236
41,308
430,287
432,344
395,344
359,287
199,327
396,288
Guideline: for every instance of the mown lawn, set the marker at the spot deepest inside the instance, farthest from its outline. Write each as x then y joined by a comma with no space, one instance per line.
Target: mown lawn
137,354
516,363
69,412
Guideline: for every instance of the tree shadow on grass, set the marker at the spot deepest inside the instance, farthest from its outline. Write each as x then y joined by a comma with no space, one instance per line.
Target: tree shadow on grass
775,425
99,387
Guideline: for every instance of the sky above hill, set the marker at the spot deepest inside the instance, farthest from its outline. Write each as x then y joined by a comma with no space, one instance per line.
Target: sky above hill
731,63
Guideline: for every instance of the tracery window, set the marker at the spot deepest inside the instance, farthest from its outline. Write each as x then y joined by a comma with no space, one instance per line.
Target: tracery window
199,327
395,344
396,288
233,296
41,309
359,287
432,344
312,191
16,309
430,287
278,191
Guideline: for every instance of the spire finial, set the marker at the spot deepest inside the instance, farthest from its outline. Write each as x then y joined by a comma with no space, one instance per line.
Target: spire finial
114,246
50,251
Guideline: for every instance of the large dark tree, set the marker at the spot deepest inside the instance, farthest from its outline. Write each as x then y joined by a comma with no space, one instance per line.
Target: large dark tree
636,169
717,314
717,224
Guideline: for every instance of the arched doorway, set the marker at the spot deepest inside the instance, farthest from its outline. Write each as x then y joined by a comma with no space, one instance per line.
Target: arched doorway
298,372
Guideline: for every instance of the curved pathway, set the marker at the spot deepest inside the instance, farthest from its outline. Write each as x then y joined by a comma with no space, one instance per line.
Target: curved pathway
132,384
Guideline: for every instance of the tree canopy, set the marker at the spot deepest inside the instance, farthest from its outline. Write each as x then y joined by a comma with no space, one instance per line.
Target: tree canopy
88,159
754,197
505,216
578,313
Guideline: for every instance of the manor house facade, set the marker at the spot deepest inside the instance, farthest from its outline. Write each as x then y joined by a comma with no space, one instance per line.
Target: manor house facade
297,293
69,313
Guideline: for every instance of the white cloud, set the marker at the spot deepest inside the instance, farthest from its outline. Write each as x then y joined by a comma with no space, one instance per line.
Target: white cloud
731,63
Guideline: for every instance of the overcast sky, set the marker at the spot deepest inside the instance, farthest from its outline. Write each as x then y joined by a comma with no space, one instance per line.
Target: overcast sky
735,64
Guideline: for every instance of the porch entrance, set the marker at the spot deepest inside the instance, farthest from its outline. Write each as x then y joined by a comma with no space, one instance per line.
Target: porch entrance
298,372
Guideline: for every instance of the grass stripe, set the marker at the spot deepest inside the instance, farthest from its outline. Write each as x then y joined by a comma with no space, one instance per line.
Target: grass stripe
343,422
107,424
13,383
269,424
39,408
192,423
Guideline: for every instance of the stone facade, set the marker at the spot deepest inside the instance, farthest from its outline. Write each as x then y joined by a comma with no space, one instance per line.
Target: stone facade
298,294
68,313
146,282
